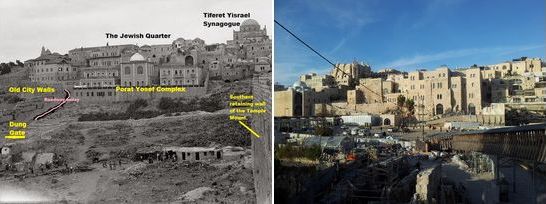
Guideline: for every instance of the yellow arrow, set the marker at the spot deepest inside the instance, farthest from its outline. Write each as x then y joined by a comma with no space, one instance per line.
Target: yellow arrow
249,129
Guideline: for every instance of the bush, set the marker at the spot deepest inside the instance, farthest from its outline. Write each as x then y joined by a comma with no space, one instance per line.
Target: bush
209,104
324,131
118,116
165,103
13,99
292,151
137,104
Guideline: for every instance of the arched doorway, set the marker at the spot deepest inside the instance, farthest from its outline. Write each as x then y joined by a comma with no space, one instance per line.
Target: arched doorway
188,61
439,109
471,109
387,121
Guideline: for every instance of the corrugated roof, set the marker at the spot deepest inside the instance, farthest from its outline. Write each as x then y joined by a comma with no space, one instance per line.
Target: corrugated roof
189,149
540,126
325,142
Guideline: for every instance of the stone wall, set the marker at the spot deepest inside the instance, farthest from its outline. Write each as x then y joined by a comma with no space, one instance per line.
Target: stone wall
261,147
428,183
348,109
108,95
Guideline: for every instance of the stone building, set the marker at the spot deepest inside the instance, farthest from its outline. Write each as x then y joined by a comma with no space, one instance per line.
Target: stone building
139,72
300,100
293,102
81,57
518,66
435,92
50,68
94,72
318,82
348,74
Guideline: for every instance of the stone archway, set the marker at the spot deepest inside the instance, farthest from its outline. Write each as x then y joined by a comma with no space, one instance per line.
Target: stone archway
471,109
439,109
387,121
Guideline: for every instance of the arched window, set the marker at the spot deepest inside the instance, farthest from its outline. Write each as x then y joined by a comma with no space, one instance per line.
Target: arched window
127,70
140,70
189,61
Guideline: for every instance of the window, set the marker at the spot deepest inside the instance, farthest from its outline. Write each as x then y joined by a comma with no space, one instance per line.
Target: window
140,70
127,70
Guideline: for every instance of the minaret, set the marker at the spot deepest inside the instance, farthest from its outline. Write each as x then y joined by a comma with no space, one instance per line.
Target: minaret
42,53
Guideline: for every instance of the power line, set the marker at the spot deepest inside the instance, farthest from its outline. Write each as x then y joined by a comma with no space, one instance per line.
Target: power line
308,46
316,52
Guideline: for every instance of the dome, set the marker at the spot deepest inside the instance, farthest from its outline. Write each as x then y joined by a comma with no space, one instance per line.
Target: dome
299,84
137,57
250,22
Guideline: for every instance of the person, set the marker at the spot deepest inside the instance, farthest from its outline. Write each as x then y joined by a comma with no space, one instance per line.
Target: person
150,160
104,164
42,168
120,163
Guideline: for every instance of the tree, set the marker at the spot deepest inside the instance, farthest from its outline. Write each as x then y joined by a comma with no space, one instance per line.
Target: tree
400,101
5,68
19,63
410,105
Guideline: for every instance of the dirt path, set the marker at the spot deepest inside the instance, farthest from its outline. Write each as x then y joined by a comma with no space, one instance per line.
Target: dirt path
11,193
87,184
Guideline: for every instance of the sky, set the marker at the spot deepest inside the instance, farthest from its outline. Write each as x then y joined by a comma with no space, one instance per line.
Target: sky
406,35
62,25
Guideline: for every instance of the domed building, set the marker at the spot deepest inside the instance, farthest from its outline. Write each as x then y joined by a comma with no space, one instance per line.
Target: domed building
138,72
249,31
300,86
250,25
137,57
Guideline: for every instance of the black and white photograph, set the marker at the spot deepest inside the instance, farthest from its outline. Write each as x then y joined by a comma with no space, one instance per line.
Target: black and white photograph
134,101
